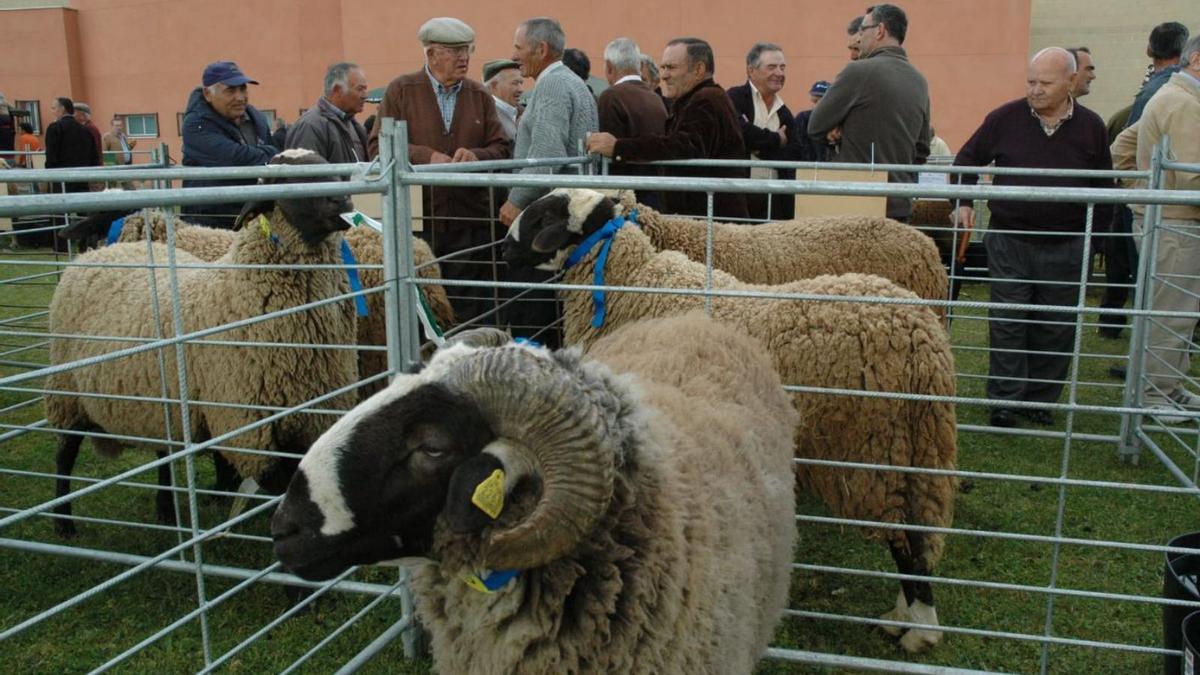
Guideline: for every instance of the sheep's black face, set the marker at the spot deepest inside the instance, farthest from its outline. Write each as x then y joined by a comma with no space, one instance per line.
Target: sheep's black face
313,217
549,228
372,487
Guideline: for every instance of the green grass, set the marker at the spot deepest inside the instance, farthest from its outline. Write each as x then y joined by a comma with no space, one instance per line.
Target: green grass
103,626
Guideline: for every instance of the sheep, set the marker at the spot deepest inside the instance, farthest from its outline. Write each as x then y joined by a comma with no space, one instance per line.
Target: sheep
835,345
366,243
776,253
637,504
113,301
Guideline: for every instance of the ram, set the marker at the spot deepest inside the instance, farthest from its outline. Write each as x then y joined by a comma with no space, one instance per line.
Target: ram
887,348
628,512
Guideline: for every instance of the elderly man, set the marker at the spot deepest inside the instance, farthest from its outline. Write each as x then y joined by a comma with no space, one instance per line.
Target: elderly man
68,143
451,119
503,80
329,127
765,122
221,128
702,125
1034,249
1085,71
117,144
83,115
561,110
878,107
1174,112
629,108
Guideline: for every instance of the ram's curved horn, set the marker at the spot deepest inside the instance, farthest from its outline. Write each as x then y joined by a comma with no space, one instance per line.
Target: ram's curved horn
543,410
484,336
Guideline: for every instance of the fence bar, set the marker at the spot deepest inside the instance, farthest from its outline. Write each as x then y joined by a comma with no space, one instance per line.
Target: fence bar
860,663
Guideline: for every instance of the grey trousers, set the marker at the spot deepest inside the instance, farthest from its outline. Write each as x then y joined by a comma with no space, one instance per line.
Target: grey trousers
1030,352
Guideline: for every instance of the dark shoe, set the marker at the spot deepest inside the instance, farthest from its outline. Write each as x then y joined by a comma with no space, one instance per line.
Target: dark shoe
1109,333
1003,417
1117,372
1043,417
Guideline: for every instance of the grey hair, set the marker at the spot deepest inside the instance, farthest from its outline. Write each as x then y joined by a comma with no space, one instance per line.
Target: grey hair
650,66
545,29
1190,47
338,74
754,56
624,55
1057,50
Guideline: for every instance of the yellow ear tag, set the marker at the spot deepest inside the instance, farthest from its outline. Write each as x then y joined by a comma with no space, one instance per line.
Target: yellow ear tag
476,583
489,494
264,225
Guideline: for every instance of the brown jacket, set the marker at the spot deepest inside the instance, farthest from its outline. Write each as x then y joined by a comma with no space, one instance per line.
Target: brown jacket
631,110
110,143
702,125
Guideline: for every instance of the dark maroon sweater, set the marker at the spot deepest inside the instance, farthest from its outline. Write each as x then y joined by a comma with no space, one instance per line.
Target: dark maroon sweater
1012,137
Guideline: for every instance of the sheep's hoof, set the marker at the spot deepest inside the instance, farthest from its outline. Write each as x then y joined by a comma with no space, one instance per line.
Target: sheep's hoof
920,640
65,529
900,613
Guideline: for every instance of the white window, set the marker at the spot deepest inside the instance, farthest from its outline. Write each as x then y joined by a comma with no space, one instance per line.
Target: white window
142,126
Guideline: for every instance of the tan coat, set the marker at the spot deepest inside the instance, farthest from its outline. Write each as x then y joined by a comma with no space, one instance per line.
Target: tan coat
1175,112
110,143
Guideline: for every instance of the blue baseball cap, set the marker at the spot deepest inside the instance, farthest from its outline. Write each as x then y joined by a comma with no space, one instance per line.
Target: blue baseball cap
226,73
819,88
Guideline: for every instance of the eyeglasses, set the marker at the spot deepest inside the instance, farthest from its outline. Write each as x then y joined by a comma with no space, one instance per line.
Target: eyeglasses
864,27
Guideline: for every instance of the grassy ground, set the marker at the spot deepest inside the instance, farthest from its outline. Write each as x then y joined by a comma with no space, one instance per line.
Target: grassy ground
99,628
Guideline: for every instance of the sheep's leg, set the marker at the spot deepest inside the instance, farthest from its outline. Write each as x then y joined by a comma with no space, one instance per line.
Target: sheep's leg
903,559
164,499
64,459
919,594
227,476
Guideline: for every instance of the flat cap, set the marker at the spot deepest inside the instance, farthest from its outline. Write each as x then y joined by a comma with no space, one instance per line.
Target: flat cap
491,68
445,30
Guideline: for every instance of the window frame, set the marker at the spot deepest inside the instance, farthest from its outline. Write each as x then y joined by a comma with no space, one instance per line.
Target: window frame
129,131
34,117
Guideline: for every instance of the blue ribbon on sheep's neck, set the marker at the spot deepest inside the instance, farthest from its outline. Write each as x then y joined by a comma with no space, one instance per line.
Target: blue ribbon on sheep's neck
360,302
603,237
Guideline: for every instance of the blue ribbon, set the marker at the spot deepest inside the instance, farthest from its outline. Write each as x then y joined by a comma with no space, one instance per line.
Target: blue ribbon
493,582
114,230
360,303
604,234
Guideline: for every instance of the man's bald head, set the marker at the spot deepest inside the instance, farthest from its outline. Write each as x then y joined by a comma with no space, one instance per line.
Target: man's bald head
1051,76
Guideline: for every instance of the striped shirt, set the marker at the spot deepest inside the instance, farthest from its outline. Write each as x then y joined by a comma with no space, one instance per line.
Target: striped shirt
447,97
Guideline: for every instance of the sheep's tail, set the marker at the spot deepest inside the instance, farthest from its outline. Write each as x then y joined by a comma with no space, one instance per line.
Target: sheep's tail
935,442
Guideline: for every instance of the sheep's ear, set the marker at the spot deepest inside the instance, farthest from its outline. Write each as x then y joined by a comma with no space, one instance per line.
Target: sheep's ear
475,497
95,225
253,210
551,238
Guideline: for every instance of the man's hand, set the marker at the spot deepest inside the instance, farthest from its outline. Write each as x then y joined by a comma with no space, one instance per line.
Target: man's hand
602,143
834,136
509,213
439,158
963,217
782,136
464,155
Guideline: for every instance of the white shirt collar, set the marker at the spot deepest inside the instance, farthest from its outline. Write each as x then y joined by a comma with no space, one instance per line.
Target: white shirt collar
628,78
505,107
758,98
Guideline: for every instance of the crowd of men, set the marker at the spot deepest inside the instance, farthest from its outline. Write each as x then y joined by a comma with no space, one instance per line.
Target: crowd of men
877,110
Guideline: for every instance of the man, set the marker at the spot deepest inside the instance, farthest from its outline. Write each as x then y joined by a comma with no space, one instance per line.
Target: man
221,128
1085,71
560,113
117,144
503,80
68,143
1034,249
279,135
808,149
702,125
27,143
83,115
629,108
765,120
329,127
1174,112
8,130
577,61
878,107
451,119
1164,49
854,38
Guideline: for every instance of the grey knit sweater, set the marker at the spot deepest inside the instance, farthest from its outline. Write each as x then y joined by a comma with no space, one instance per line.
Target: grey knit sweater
560,113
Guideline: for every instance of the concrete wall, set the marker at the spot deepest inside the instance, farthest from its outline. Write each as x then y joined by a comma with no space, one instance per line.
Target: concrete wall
1116,31
143,56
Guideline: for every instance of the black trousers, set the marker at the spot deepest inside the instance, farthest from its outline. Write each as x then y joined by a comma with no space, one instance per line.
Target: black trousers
1030,351
1120,266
